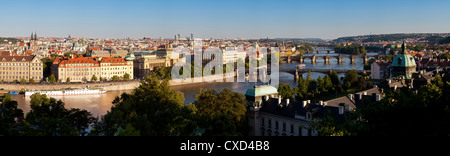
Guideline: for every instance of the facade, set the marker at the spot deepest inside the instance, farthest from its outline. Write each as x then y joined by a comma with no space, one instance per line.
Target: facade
76,68
231,55
144,66
111,67
380,70
82,69
270,115
16,68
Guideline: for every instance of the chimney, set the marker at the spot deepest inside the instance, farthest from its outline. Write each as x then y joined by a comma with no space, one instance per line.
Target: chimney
267,97
389,81
365,93
378,98
395,87
304,103
325,104
279,99
321,103
309,101
358,96
350,96
287,102
341,110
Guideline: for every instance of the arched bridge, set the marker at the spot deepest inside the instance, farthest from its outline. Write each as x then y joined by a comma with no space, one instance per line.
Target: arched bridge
300,72
327,58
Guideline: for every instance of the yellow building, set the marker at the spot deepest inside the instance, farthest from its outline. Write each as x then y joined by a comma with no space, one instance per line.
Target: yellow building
16,68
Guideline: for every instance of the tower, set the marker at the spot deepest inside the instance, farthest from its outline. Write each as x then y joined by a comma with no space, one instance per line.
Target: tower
403,65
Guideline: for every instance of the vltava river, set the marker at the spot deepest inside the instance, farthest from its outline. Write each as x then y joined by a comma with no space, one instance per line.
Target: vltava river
98,105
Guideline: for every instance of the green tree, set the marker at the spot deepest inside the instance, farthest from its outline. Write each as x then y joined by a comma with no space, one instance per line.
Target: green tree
226,109
335,78
94,78
152,109
286,91
47,64
351,79
10,115
308,78
31,80
68,80
23,81
49,117
302,89
52,79
115,78
126,76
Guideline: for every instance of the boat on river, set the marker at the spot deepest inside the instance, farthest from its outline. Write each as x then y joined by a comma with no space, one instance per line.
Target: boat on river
68,92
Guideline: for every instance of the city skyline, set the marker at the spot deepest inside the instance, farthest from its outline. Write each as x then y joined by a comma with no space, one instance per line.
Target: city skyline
221,19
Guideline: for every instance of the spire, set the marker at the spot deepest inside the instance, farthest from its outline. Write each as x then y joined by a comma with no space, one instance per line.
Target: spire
32,36
35,36
403,47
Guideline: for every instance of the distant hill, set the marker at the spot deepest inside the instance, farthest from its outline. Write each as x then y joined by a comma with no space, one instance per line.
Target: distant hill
391,37
304,39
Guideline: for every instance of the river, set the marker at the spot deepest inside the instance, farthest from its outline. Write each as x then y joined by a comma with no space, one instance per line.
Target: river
98,105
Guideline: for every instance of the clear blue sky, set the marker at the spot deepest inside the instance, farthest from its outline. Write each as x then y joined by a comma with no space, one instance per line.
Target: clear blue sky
326,19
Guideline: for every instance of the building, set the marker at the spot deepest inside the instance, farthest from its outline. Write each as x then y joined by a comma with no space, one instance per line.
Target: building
270,115
119,53
82,69
404,65
111,67
231,55
145,65
75,68
16,68
380,70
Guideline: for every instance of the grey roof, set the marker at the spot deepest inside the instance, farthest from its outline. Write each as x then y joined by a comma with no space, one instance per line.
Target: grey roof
354,99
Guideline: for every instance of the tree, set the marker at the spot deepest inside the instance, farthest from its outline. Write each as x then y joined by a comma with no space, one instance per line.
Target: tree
286,91
31,80
351,79
23,81
49,117
126,76
68,80
335,78
10,115
52,79
308,78
94,78
152,109
226,110
115,78
302,89
47,64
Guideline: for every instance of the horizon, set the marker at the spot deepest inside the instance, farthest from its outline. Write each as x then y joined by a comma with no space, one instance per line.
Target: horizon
324,19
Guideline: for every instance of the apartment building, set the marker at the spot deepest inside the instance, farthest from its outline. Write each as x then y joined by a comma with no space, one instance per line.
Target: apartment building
16,68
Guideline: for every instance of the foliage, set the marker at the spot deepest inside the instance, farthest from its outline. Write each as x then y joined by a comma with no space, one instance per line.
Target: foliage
351,79
162,73
94,78
47,64
152,109
49,117
126,76
68,80
115,78
226,110
286,91
350,49
31,80
445,40
23,81
9,114
444,56
52,79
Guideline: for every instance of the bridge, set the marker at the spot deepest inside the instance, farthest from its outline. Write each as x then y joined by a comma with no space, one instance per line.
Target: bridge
327,58
300,72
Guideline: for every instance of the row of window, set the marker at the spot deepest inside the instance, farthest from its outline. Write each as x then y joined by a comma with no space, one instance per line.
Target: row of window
283,128
20,64
21,68
20,77
20,73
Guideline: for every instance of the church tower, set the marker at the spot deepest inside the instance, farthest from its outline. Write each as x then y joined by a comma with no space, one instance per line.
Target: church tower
403,65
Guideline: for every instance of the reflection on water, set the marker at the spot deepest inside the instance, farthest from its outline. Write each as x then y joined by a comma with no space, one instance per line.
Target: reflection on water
98,105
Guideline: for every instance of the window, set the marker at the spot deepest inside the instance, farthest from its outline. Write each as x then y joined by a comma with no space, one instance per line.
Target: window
292,128
276,124
300,131
262,122
284,126
270,123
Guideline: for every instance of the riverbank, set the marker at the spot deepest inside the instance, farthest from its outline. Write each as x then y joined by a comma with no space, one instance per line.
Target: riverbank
110,86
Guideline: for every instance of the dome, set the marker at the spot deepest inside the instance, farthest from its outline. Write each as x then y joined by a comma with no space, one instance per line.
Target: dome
130,57
261,91
404,60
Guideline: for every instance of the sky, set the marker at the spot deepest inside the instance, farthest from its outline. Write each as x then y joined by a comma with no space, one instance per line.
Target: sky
326,19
